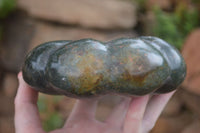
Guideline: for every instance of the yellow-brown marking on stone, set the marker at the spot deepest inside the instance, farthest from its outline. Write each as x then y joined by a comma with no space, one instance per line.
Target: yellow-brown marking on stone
89,79
135,79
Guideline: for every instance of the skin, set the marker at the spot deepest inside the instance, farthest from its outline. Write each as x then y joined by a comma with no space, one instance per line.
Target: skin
132,115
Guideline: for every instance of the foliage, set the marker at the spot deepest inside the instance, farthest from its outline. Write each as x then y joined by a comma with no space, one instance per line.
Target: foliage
186,19
173,27
196,1
51,118
1,30
141,5
6,6
54,121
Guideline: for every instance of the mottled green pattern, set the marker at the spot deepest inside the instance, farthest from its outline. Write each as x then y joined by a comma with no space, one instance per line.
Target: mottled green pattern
34,68
87,67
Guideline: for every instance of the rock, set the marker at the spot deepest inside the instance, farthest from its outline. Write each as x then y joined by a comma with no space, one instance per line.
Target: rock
187,3
105,14
15,44
7,106
17,35
173,124
1,78
164,4
174,106
191,55
148,22
192,128
45,32
7,125
191,101
10,84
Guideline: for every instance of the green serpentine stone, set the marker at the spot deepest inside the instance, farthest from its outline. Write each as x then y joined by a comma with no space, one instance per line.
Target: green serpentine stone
87,67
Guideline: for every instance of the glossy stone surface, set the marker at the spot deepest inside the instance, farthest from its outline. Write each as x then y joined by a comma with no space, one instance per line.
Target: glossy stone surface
87,67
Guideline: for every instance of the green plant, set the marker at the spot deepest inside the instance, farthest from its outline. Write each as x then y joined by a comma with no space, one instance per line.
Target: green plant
51,118
196,1
174,27
141,5
166,28
53,122
186,19
6,6
1,31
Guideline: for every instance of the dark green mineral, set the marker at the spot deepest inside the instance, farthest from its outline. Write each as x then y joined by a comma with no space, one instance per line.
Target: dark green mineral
87,67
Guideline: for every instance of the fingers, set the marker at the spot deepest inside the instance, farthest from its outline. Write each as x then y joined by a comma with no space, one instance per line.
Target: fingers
26,113
135,114
117,117
154,108
84,109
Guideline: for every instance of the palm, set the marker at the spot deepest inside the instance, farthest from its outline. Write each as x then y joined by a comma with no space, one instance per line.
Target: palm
132,115
82,120
89,126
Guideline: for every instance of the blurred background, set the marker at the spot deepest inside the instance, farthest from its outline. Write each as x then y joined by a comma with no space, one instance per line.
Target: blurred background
24,24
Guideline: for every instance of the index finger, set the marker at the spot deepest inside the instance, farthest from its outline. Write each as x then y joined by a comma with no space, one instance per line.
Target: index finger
134,116
154,109
26,111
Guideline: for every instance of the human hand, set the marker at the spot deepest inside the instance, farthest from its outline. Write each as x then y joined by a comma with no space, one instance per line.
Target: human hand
132,115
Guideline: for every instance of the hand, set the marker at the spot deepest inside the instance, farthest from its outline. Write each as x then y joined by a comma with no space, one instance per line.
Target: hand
132,115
